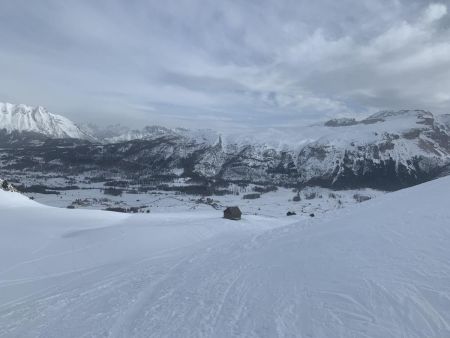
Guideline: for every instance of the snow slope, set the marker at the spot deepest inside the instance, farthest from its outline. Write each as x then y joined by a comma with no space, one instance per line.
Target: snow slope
23,118
379,269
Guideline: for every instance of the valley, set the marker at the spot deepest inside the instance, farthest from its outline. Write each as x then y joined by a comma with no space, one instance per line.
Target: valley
386,151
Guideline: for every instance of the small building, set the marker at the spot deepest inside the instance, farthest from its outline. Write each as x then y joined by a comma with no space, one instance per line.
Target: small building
233,213
251,196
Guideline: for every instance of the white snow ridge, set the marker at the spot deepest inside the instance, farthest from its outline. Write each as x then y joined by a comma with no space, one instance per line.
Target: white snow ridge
23,118
378,269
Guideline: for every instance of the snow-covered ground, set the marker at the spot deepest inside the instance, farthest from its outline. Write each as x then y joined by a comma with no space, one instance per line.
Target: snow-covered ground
78,193
276,203
375,269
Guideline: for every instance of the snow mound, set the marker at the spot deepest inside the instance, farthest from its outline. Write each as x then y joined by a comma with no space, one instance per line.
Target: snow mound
13,199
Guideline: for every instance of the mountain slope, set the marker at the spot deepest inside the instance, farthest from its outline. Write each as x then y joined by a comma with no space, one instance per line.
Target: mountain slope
26,119
388,150
358,272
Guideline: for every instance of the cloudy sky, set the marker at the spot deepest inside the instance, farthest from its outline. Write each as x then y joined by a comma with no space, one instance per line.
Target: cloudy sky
222,64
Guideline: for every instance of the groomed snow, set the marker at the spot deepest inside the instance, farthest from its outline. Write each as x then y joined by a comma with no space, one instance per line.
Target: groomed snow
377,269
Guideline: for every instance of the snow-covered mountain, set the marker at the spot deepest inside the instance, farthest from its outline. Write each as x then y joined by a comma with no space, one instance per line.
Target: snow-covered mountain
26,119
119,133
147,132
104,133
378,269
388,150
409,143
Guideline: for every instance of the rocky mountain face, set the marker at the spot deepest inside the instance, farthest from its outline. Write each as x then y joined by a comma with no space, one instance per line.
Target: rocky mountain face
388,150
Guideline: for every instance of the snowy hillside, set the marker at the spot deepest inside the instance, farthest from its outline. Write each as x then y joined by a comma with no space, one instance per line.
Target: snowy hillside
356,272
22,118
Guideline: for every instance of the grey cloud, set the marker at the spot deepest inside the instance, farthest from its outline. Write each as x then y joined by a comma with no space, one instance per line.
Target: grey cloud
262,62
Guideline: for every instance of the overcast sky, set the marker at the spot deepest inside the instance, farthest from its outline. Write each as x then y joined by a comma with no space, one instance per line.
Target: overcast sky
219,64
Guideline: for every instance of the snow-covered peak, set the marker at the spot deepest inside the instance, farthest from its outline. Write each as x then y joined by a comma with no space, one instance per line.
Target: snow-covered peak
123,134
205,136
378,127
23,118
386,114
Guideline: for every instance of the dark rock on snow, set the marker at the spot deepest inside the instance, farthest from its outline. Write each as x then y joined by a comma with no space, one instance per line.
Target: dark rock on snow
232,213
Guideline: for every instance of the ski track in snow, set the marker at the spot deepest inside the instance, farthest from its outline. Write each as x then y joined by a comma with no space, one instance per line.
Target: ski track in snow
378,269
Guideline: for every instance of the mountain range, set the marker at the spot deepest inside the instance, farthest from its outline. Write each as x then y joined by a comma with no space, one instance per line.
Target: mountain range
387,150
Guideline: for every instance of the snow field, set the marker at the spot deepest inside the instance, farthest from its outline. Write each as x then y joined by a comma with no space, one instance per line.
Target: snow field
376,269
